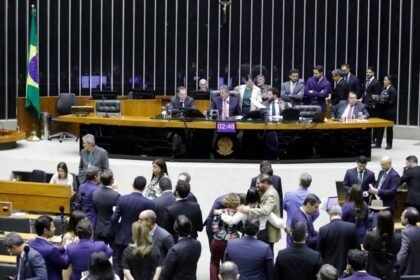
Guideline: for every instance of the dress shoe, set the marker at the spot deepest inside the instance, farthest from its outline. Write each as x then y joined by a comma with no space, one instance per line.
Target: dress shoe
388,147
374,146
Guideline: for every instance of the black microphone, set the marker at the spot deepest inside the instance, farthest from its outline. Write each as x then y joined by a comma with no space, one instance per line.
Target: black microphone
61,208
26,250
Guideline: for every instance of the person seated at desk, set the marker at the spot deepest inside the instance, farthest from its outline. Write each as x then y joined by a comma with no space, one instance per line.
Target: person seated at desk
347,109
274,104
181,100
202,85
226,105
62,175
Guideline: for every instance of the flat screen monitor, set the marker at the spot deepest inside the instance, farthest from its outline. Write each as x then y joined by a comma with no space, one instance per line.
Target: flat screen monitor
200,95
143,94
104,94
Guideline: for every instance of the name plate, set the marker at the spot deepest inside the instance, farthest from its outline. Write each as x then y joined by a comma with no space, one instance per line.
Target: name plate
225,126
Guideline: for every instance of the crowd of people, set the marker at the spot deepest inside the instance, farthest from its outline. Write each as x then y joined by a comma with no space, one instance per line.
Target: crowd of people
151,233
344,97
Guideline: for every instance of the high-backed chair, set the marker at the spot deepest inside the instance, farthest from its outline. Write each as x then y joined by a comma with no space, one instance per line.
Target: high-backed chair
64,103
38,176
15,224
108,107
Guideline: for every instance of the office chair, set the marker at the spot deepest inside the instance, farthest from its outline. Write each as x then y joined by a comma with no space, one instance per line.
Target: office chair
39,176
15,224
64,103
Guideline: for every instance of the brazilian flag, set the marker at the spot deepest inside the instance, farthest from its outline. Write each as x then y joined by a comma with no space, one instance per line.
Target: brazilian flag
32,79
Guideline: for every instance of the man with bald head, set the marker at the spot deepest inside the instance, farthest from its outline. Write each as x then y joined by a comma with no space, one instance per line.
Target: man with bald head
387,184
228,271
202,85
160,237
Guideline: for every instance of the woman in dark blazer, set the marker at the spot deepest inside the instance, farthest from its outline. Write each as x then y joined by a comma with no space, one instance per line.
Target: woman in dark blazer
356,211
387,109
383,245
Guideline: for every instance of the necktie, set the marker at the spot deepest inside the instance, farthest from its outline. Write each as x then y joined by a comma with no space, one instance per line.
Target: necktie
273,108
360,177
381,181
367,83
225,109
182,104
350,112
345,78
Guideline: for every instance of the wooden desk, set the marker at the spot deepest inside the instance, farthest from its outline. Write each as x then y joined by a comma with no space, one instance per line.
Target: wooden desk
36,197
8,259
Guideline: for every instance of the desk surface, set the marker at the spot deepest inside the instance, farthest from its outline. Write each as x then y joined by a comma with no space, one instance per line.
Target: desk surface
148,122
7,259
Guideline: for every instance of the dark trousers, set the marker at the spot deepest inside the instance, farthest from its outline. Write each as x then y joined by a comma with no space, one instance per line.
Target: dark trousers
263,236
117,259
217,251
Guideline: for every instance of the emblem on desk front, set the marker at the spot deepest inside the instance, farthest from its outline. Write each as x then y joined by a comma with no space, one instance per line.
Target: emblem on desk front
224,146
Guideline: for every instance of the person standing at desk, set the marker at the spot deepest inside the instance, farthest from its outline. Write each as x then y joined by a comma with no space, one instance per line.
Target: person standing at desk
91,155
249,95
226,105
317,88
181,100
293,90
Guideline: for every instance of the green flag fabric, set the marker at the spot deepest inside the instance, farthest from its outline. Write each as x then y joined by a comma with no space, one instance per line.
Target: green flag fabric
32,83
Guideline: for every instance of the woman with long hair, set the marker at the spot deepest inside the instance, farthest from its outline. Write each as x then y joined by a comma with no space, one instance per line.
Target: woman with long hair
62,175
356,211
99,268
159,171
383,245
141,259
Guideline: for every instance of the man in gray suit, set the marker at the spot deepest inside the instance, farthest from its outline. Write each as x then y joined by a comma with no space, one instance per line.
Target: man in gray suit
346,109
292,91
91,155
160,237
409,255
29,263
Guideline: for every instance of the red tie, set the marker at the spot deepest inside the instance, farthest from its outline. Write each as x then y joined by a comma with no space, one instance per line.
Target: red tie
225,109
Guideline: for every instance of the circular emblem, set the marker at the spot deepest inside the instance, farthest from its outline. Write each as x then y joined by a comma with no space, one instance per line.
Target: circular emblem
33,68
224,146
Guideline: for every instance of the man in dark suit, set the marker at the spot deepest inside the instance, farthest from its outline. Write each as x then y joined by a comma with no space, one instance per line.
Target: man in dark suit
298,261
86,191
373,89
253,257
29,263
55,257
181,100
160,237
226,105
167,198
185,176
353,83
317,88
359,175
104,200
266,168
293,90
356,266
128,209
350,108
304,214
181,260
182,206
340,91
387,184
409,255
336,238
411,177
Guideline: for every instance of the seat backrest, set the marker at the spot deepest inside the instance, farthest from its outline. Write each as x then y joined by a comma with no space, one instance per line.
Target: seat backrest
15,224
39,176
308,111
65,102
108,106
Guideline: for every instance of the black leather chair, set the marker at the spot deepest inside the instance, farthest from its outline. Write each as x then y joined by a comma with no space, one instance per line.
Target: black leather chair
215,93
308,111
15,224
38,176
108,107
64,103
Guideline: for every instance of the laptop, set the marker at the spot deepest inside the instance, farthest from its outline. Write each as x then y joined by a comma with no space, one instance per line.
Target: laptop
290,116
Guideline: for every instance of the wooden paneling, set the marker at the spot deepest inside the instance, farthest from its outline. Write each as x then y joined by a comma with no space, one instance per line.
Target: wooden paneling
36,197
202,105
8,136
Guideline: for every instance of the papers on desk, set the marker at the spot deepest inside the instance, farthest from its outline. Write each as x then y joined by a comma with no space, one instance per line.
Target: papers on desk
18,214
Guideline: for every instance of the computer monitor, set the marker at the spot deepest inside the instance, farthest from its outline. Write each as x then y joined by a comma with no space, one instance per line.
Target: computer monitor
200,95
104,94
143,94
191,113
331,202
290,115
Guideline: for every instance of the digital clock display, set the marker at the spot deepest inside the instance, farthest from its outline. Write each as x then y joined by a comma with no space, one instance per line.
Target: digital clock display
226,127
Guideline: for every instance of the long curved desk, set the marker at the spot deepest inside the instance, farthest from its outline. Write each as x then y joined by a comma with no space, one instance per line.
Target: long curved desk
141,137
